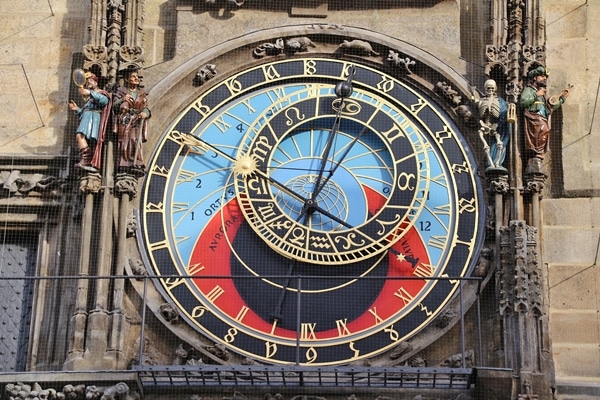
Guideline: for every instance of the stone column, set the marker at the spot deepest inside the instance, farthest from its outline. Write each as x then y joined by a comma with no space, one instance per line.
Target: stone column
90,185
126,188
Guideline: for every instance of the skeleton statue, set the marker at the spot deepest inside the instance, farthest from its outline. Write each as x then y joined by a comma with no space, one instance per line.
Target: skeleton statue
492,121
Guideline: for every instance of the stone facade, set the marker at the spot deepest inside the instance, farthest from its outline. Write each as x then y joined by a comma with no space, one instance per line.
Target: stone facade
42,42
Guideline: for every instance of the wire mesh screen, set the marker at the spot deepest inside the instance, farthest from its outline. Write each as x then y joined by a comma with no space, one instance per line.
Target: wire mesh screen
241,193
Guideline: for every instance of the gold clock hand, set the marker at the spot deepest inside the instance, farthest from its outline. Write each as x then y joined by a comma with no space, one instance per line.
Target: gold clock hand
245,165
342,90
276,314
332,171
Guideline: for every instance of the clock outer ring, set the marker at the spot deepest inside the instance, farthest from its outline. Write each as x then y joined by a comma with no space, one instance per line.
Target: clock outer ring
153,244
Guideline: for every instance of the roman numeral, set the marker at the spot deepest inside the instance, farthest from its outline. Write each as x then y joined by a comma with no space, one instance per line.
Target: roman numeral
403,295
373,312
437,241
424,270
242,313
307,331
342,327
194,269
221,124
215,293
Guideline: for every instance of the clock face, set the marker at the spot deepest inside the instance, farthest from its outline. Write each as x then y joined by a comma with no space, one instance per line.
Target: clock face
297,223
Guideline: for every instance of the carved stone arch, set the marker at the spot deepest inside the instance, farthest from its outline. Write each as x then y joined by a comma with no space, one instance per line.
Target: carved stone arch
451,90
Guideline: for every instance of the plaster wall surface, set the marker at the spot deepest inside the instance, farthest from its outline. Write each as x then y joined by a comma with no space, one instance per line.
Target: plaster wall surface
570,238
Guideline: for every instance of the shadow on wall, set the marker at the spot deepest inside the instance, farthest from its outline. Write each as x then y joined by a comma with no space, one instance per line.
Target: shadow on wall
221,8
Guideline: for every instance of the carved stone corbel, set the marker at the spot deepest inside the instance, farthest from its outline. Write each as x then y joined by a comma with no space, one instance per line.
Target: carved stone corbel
126,183
90,183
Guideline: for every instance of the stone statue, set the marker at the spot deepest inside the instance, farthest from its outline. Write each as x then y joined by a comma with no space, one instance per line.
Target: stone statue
93,121
537,108
130,106
493,128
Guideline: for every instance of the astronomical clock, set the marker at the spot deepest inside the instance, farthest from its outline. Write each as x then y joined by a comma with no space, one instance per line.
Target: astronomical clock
310,208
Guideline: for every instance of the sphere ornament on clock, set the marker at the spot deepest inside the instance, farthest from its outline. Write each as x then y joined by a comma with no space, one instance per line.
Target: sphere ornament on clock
310,211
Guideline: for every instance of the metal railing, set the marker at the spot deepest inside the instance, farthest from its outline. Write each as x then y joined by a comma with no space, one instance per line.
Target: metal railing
289,375
158,377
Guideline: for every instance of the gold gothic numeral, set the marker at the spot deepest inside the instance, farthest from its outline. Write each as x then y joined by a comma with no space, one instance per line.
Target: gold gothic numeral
231,334
416,108
163,244
451,281
198,312
171,283
270,73
346,70
444,134
234,86
394,335
270,349
460,168
160,170
354,350
465,205
425,310
310,67
386,84
311,355
153,207
202,109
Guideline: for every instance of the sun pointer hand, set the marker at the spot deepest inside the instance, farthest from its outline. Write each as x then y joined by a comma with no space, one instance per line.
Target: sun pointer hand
244,165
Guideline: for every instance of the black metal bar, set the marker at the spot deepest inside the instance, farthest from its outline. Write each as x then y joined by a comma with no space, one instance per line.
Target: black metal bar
141,349
479,335
462,326
298,320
